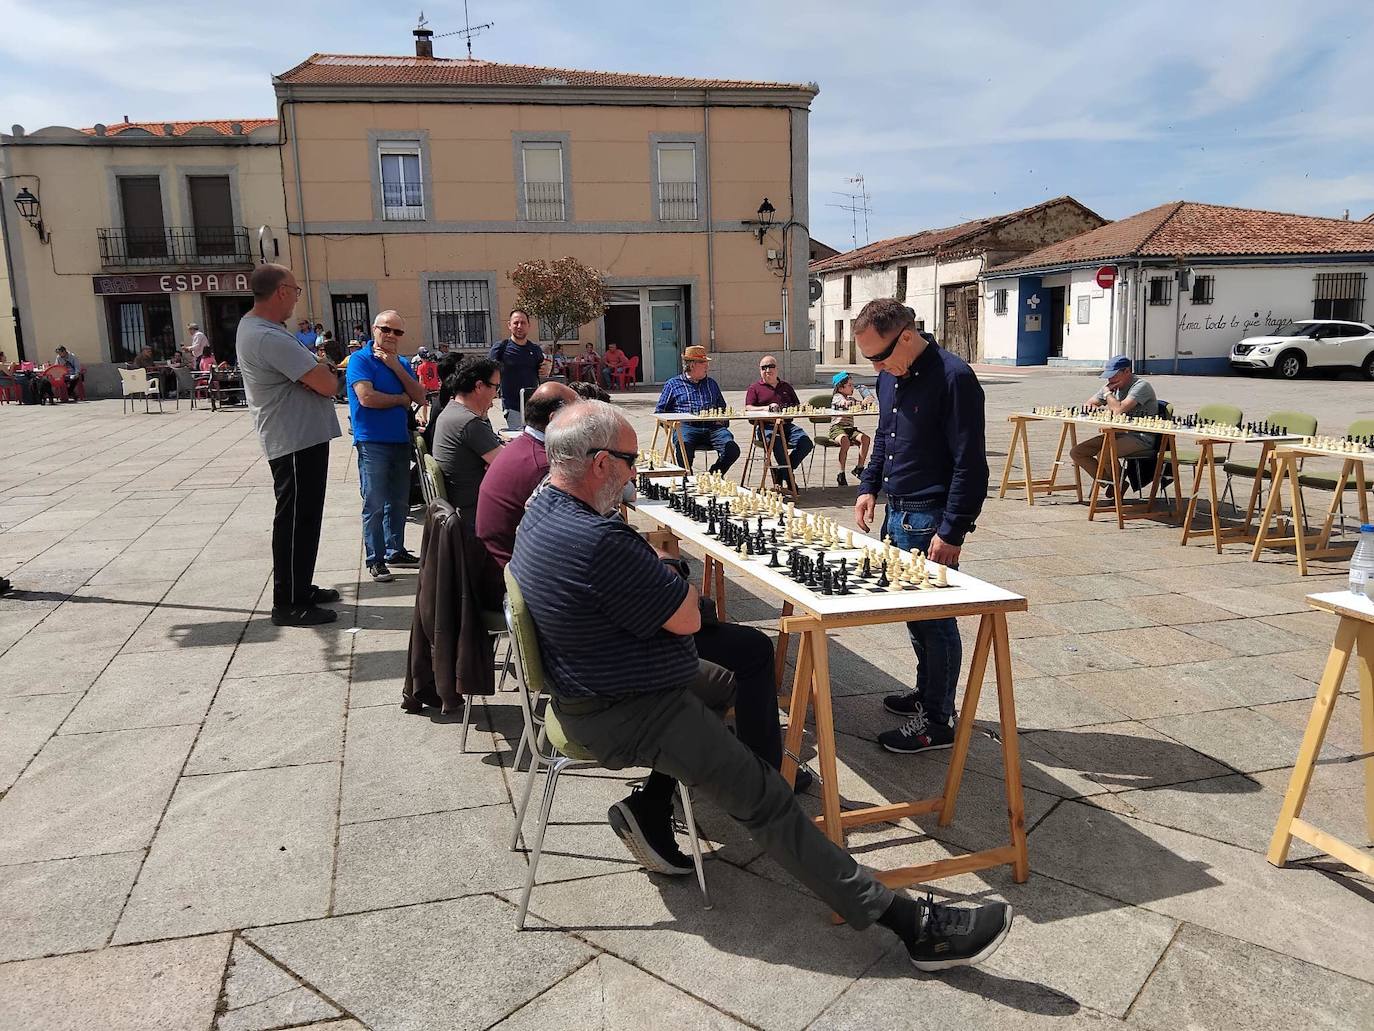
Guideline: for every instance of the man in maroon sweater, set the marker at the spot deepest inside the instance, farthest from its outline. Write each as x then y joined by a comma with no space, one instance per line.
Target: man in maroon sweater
772,394
516,471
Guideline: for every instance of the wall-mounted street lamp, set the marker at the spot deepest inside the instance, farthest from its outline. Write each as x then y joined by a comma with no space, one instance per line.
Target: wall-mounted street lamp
765,219
30,211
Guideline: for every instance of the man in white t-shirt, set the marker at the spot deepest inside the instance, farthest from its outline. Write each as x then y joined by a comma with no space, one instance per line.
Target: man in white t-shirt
290,395
197,344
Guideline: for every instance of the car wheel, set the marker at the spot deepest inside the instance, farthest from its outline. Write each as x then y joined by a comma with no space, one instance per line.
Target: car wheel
1290,364
1368,367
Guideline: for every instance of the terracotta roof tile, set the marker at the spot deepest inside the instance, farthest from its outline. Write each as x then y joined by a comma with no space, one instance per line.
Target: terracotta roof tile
381,70
1189,229
928,241
223,126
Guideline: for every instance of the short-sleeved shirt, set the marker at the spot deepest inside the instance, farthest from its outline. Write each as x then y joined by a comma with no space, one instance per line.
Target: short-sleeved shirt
377,425
841,403
461,438
761,395
519,368
1146,404
599,597
200,343
506,487
287,416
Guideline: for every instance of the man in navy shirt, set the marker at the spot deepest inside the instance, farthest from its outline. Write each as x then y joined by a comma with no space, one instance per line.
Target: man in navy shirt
614,626
381,388
691,392
520,359
930,459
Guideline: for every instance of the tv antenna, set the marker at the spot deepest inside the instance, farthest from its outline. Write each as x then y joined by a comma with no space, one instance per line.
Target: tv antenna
467,31
857,203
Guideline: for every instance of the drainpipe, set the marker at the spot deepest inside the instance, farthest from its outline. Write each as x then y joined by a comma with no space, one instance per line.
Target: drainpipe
1111,321
1142,343
14,290
1178,304
710,225
300,210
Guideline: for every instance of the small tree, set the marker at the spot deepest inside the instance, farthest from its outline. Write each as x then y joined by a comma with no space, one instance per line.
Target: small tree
563,295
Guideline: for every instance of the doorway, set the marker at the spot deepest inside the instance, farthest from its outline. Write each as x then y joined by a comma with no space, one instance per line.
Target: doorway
960,329
222,315
666,323
622,329
1057,322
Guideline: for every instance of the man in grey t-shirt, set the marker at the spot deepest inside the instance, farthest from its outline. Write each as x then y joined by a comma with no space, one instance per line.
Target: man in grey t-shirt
464,442
1124,393
290,395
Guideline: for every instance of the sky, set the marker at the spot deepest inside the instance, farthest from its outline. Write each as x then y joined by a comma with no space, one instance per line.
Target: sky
949,112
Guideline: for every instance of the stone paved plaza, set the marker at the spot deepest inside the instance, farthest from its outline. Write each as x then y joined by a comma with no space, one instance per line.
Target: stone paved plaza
209,823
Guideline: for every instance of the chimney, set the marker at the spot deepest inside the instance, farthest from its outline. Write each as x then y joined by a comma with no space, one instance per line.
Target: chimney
424,42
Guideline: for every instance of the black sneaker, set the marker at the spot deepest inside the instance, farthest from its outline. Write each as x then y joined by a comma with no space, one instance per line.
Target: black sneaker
906,704
648,833
403,558
305,615
858,472
323,595
841,479
380,573
804,779
917,734
952,936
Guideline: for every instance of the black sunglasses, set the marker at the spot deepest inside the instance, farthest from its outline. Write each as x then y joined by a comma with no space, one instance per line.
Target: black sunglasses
886,352
628,457
766,368
389,329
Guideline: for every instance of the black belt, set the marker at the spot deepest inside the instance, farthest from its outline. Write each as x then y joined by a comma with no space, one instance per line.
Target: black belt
930,503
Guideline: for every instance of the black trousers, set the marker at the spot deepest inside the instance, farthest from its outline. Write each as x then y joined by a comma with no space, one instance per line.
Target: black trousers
298,480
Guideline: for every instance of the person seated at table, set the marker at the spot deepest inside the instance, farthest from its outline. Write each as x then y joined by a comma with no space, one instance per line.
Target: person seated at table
73,374
144,359
689,393
464,442
773,394
1124,393
843,431
613,359
615,628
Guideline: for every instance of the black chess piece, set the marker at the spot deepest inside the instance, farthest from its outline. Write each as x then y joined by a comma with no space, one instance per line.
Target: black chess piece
711,523
867,570
748,545
844,582
883,581
826,580
820,555
773,537
773,562
759,528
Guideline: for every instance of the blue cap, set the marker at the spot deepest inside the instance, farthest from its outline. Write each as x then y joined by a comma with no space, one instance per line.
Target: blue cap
838,378
1120,363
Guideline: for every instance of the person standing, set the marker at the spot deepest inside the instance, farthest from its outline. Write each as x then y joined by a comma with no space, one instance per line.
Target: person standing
381,389
930,459
520,359
197,345
772,394
690,392
464,442
288,394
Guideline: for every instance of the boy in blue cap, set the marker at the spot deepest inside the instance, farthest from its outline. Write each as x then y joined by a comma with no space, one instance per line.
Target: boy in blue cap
843,431
1124,393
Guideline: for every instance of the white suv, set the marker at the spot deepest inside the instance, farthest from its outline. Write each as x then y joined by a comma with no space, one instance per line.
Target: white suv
1308,344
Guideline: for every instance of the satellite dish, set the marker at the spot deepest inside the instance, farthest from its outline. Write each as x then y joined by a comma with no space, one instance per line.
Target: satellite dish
815,288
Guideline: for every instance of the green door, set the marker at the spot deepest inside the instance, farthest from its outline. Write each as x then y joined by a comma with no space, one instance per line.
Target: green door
666,324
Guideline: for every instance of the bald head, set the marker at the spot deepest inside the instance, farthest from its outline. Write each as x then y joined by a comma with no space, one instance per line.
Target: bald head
547,398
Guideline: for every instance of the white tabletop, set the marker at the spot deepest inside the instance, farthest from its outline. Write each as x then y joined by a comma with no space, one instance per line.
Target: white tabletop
817,413
1344,603
1174,431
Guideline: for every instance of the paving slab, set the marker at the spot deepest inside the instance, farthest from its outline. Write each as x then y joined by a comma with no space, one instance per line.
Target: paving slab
267,650
1248,637
63,905
238,849
1213,982
260,722
1065,654
1160,645
56,663
87,794
26,722
1127,755
167,986
1086,617
259,995
446,965
157,689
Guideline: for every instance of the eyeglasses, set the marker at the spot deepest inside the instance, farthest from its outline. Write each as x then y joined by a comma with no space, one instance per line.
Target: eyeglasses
766,368
494,386
886,352
298,293
392,330
628,457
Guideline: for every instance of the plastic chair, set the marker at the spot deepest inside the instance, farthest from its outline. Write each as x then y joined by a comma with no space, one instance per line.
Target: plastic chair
57,376
435,475
200,387
10,391
1298,424
625,377
1227,415
133,383
820,431
553,752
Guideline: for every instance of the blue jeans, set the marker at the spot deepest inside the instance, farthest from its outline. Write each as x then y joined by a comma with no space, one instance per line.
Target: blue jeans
699,436
794,438
384,480
939,651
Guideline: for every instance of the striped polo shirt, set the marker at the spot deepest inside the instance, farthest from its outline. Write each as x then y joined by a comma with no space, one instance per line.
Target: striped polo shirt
599,597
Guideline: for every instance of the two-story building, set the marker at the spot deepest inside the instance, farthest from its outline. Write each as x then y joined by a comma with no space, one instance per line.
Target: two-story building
936,273
145,227
417,183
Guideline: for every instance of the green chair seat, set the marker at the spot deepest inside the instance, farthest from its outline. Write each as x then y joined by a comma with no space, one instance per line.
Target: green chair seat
494,622
1193,457
1324,480
558,737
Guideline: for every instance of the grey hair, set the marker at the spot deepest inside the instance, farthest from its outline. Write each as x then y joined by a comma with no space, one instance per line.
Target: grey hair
577,429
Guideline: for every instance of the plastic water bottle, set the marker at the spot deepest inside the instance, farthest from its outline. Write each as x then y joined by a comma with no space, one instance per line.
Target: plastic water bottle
1362,563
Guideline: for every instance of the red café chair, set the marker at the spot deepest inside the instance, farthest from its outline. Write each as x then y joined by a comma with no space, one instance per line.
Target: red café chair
57,376
624,376
10,392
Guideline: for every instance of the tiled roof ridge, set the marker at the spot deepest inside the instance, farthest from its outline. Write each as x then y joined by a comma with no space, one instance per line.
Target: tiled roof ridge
181,126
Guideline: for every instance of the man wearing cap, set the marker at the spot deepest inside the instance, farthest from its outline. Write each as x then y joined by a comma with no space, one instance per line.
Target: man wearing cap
930,459
773,394
843,431
1124,393
691,392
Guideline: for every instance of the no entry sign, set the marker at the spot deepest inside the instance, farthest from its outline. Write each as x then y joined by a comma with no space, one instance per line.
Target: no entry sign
1106,276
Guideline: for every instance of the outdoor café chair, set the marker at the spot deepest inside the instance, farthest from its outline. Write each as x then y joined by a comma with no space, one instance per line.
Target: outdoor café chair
134,383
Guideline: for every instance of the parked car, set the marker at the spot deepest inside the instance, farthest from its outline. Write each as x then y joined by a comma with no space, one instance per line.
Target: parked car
1308,344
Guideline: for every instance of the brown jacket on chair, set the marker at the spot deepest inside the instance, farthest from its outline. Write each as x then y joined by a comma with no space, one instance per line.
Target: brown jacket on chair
451,652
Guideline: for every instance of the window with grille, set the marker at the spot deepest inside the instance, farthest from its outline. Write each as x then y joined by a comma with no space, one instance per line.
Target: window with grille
544,199
1339,295
1202,289
677,182
901,283
403,192
839,336
848,292
460,313
1161,289
546,332
999,302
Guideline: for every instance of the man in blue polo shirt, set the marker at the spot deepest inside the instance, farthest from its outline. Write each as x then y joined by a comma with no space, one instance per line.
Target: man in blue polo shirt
614,626
930,459
520,359
381,388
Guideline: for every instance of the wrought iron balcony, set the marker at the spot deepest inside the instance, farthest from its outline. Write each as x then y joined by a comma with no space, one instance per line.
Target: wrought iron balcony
677,202
174,246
